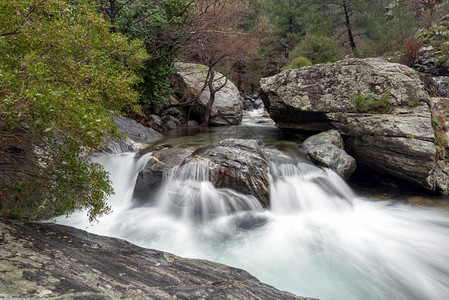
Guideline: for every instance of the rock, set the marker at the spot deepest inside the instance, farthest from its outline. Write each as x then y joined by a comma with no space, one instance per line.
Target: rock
239,165
227,108
329,137
152,175
440,85
433,58
326,149
53,261
136,133
192,123
399,142
257,103
429,61
442,177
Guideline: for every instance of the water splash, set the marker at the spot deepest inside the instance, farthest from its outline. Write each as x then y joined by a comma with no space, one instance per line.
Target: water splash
304,187
188,194
319,239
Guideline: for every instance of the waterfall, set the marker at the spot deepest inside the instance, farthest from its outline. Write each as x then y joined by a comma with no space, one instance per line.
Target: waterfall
318,239
188,194
304,187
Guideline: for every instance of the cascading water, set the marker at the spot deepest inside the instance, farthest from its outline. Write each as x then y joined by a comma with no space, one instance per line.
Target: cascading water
318,239
188,194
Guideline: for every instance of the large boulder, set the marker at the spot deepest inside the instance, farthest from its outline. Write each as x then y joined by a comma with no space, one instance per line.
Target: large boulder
48,261
237,164
240,165
149,179
327,150
136,136
188,83
400,141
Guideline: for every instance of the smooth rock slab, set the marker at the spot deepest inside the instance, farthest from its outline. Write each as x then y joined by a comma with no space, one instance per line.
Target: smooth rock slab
54,261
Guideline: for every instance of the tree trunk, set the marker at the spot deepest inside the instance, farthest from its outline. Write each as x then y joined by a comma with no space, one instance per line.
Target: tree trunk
348,27
211,101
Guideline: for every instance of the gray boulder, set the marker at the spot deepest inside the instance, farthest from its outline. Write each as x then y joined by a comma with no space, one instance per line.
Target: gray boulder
136,136
327,149
49,261
233,163
240,165
399,142
440,85
149,179
227,108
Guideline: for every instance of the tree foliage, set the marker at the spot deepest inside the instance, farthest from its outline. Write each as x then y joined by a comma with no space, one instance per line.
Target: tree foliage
62,73
161,25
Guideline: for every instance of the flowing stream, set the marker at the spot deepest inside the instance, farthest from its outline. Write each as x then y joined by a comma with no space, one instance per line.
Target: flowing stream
318,239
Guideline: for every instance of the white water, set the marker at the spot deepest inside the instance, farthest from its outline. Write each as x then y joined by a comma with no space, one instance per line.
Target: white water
319,240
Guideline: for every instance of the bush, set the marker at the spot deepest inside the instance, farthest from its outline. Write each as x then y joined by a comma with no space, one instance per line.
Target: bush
370,102
297,63
62,73
318,49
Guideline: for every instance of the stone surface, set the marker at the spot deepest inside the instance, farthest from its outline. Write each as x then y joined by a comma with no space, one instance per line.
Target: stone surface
136,133
442,177
399,143
58,262
440,85
227,108
327,149
433,58
240,165
152,175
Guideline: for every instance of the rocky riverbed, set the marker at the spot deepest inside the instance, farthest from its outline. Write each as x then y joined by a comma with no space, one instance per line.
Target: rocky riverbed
41,260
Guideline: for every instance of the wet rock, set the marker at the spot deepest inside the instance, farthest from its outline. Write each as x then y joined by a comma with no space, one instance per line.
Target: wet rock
41,260
160,163
442,177
227,108
136,133
239,165
398,142
327,149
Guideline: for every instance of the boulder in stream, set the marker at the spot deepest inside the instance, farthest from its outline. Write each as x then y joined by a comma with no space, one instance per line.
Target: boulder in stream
382,107
327,149
239,165
40,260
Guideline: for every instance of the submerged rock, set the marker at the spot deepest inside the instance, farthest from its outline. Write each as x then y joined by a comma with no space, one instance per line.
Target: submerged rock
327,149
227,108
400,141
53,261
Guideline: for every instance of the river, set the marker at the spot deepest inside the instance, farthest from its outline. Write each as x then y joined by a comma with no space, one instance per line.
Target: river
319,238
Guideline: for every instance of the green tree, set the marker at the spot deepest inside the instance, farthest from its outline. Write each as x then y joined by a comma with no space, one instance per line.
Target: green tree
318,49
62,73
162,27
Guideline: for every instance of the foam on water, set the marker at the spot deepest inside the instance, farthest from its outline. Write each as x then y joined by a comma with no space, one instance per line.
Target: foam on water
319,239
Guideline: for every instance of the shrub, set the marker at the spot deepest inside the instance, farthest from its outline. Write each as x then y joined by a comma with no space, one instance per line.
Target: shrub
297,63
318,49
410,53
370,102
62,73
